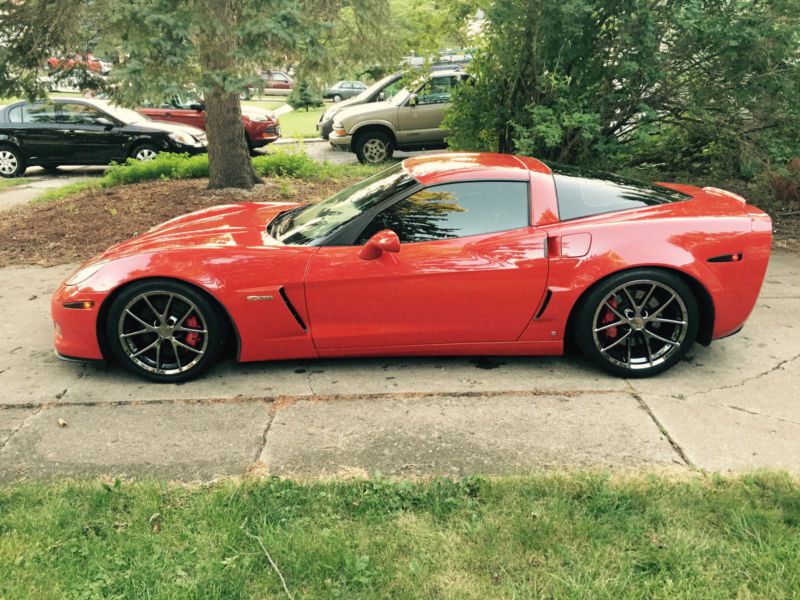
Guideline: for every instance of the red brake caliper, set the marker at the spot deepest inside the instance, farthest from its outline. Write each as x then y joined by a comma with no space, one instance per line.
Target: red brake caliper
192,338
610,317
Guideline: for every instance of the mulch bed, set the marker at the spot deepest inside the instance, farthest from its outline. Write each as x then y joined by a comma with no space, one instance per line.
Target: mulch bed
73,229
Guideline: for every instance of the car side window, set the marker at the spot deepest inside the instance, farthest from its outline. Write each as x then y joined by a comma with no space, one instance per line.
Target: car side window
455,210
74,113
437,91
584,193
15,115
39,112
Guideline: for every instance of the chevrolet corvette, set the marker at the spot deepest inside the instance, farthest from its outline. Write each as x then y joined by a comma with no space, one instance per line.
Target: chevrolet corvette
443,254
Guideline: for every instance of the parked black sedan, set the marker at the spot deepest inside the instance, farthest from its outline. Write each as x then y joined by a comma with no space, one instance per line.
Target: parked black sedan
82,131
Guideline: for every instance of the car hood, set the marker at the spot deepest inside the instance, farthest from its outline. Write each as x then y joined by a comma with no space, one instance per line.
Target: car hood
169,127
252,111
229,225
374,110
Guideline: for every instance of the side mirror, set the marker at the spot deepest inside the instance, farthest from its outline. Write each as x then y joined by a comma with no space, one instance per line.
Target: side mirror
107,123
383,241
197,106
413,100
381,96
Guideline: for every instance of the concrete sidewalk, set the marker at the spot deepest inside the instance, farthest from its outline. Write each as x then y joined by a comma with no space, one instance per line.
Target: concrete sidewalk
734,406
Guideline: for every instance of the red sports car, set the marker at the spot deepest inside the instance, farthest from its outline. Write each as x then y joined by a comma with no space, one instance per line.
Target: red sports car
441,254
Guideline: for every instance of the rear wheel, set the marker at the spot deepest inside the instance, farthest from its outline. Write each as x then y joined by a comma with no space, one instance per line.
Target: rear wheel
337,98
144,152
374,147
164,331
638,323
11,162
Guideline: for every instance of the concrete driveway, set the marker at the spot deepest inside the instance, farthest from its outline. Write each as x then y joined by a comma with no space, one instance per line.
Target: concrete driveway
734,406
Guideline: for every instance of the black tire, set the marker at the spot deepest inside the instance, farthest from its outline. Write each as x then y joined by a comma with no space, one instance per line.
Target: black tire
144,152
368,147
12,163
175,354
337,98
637,323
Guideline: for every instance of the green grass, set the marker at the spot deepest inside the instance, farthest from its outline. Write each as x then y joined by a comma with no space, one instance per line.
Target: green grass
301,123
545,536
7,183
269,103
177,166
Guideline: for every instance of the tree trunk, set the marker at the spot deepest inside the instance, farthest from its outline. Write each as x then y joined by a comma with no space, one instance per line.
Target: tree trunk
229,162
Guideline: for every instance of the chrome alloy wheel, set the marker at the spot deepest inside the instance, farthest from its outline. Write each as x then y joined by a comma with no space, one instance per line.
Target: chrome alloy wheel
375,150
144,154
163,332
8,162
640,324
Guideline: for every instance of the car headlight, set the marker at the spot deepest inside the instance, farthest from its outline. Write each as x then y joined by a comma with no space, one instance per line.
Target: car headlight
183,138
84,273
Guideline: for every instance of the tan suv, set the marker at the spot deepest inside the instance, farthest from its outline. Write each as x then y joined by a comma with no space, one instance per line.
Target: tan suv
407,121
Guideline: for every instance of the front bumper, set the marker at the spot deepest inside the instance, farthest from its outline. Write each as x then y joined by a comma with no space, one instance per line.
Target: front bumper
325,128
263,134
342,142
185,148
76,328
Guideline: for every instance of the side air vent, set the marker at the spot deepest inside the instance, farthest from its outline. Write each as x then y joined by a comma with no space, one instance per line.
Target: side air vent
292,309
547,297
727,258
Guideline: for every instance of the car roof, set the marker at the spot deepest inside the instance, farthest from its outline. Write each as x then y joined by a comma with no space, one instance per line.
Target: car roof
445,167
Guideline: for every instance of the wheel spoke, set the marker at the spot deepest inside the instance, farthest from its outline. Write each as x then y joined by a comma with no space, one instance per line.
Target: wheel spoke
158,354
617,342
175,351
615,311
140,332
141,322
190,330
630,299
646,298
649,351
166,308
186,346
670,321
628,353
145,349
186,316
609,326
662,307
659,338
153,308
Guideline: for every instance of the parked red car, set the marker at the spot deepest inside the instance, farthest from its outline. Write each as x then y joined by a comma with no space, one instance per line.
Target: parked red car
261,126
277,80
87,61
444,254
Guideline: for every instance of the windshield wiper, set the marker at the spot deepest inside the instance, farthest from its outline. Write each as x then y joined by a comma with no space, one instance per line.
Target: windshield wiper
281,223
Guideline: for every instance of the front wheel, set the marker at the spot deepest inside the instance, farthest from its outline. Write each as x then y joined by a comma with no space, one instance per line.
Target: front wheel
337,98
374,147
638,323
164,331
11,162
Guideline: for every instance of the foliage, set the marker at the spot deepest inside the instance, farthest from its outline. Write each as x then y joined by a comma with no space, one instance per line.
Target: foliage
180,166
698,86
303,96
543,536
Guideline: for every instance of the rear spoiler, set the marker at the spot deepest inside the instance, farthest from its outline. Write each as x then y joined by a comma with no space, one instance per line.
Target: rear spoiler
721,192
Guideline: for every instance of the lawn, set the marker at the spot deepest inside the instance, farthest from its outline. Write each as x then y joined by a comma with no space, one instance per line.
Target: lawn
267,103
544,536
7,183
301,123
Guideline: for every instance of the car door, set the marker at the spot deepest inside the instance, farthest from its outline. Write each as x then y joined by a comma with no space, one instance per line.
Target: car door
470,269
421,117
41,137
93,137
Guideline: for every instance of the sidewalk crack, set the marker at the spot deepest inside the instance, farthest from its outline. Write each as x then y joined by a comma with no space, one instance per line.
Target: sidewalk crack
778,367
672,442
14,431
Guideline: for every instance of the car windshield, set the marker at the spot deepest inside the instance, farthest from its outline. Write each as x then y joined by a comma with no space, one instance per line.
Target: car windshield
126,115
378,85
313,222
